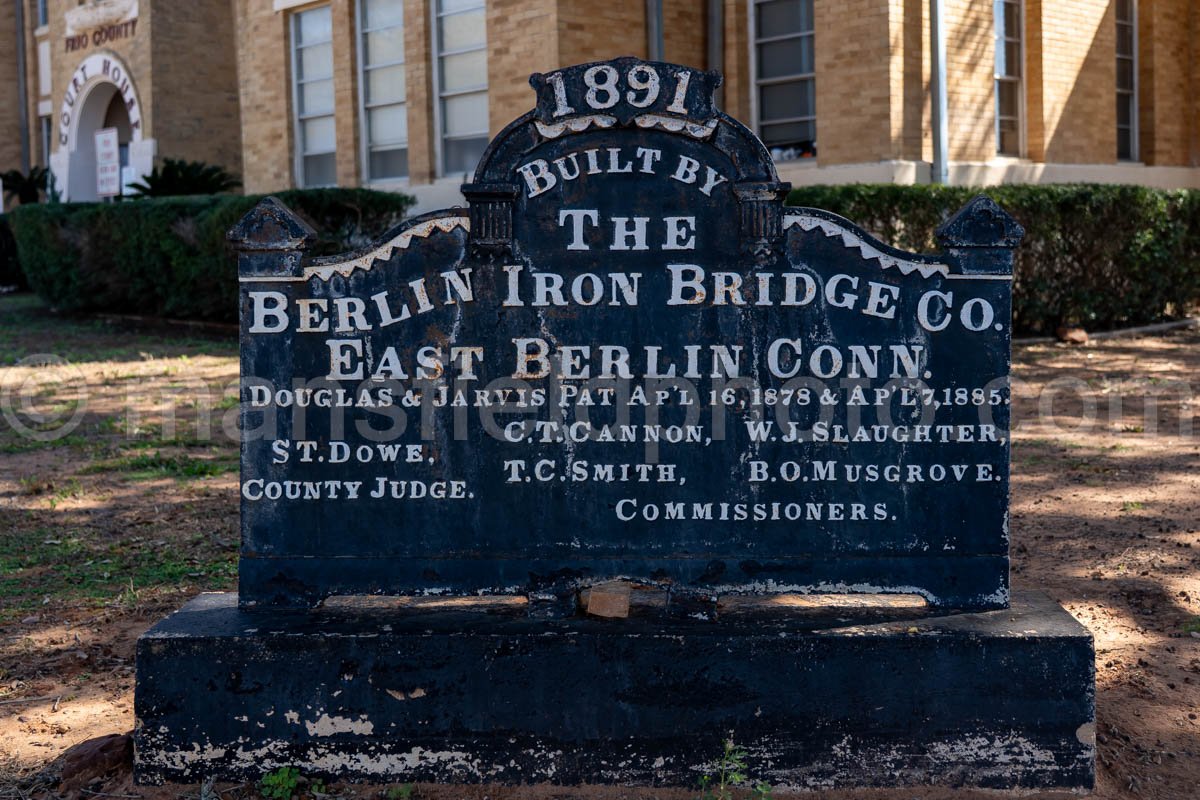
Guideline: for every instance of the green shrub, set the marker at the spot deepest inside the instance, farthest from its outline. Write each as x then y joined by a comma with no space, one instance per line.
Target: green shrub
10,266
176,178
168,257
1100,256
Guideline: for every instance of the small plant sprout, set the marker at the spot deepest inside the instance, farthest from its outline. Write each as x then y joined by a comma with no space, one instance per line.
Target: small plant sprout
729,773
280,784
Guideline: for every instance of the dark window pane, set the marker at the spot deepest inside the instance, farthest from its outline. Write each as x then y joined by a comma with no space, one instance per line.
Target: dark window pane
1124,110
1009,143
462,155
1012,20
786,100
320,170
1012,58
800,136
781,17
1125,10
389,164
1125,39
1124,73
789,57
1008,99
1125,144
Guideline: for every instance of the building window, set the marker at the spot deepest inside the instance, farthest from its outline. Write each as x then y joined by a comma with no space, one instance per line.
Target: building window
1009,88
312,68
43,13
383,91
1127,110
46,129
785,80
460,45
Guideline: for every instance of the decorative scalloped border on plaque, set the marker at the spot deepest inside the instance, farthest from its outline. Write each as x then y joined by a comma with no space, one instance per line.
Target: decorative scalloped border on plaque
576,125
384,252
869,251
697,130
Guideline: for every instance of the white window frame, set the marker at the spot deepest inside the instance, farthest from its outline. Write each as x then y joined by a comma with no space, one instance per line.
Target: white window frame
1135,145
1021,82
298,153
364,109
756,83
436,73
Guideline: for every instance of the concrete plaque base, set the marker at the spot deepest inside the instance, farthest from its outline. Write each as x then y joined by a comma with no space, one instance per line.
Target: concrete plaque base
1000,699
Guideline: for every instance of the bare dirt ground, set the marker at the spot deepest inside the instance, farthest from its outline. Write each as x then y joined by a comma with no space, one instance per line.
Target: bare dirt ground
112,527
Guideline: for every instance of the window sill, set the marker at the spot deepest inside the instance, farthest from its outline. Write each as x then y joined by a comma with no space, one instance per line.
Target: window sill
388,184
285,5
41,31
800,163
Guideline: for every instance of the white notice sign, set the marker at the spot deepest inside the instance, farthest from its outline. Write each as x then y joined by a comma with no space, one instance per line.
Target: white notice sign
108,163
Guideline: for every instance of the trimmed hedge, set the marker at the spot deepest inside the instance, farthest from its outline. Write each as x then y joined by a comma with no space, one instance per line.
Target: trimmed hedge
168,257
10,265
1099,256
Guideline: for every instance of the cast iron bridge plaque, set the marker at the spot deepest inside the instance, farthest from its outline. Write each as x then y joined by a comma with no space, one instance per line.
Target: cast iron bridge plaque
625,359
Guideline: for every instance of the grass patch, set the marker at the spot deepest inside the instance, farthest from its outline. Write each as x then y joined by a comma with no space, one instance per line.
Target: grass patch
156,465
24,445
27,326
42,563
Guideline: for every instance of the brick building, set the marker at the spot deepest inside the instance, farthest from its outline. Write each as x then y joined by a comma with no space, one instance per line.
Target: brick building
403,94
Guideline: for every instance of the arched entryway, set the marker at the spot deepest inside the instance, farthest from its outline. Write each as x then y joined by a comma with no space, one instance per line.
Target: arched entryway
101,95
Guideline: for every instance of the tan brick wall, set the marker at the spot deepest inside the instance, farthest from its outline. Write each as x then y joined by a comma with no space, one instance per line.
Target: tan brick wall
685,32
1035,75
10,118
1078,81
594,31
194,83
265,94
1194,63
345,92
419,82
872,85
853,81
135,51
909,68
1168,50
971,67
738,81
522,39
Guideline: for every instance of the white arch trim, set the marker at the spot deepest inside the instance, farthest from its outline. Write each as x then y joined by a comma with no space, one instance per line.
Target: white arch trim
100,69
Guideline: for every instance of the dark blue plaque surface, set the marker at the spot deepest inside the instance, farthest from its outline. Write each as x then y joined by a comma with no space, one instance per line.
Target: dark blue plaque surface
626,359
